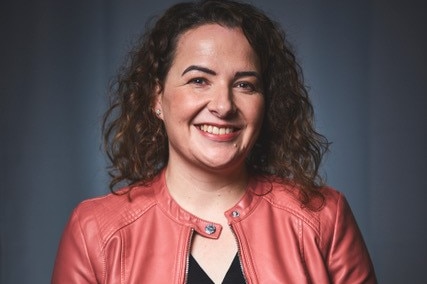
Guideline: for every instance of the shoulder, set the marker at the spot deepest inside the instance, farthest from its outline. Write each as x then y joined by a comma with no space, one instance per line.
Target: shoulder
107,214
285,197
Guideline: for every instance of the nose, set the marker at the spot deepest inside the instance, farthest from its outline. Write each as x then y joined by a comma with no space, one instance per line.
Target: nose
222,102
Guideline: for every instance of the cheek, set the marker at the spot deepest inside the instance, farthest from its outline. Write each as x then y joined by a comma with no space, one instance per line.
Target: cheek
180,106
171,101
258,118
256,112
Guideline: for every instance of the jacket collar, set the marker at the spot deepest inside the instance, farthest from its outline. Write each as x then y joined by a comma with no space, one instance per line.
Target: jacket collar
206,228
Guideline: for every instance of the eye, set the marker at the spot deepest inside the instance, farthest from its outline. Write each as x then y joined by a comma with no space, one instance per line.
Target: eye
246,86
198,81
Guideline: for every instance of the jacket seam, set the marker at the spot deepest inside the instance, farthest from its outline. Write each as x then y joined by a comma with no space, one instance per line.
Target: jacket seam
302,249
127,223
329,255
82,235
123,256
101,252
313,225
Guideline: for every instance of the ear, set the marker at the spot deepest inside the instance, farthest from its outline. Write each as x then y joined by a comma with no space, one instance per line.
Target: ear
157,103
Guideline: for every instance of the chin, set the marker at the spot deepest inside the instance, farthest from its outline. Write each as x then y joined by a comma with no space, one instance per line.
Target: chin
224,165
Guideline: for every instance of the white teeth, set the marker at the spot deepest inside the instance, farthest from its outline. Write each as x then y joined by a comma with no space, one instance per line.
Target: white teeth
216,130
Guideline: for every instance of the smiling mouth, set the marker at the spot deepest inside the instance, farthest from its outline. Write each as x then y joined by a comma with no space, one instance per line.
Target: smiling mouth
216,130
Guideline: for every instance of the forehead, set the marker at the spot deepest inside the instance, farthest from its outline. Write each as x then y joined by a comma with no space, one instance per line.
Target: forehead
214,41
209,32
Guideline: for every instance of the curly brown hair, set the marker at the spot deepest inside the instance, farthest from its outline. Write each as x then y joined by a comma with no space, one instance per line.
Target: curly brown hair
288,147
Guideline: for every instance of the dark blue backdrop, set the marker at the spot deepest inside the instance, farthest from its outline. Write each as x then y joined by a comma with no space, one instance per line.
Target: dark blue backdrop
365,62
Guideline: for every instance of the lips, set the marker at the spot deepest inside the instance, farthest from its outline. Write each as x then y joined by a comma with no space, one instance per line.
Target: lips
216,130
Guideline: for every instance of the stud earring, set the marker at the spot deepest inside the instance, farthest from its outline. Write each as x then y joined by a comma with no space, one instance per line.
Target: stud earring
158,112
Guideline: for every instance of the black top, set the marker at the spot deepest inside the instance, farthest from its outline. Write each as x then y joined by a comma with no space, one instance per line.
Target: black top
196,275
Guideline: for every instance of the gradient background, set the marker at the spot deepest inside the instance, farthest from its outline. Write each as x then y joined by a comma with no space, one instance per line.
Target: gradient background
365,64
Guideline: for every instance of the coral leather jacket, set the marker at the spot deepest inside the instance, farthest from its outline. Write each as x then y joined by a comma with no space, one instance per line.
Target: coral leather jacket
146,238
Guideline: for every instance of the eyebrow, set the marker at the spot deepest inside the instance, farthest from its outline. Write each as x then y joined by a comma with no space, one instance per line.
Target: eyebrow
211,72
247,74
198,68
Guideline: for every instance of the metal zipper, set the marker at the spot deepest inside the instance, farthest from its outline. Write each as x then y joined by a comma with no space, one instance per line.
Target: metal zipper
187,262
239,253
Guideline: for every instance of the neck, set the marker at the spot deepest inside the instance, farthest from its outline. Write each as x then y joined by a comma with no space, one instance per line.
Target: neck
206,194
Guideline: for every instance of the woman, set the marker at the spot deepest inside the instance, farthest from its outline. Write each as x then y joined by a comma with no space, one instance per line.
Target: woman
212,130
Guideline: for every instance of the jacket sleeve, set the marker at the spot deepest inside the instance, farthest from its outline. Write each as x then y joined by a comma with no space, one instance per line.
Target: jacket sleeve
348,260
72,264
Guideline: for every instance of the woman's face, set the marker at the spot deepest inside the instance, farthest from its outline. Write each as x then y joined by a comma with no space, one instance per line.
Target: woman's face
211,101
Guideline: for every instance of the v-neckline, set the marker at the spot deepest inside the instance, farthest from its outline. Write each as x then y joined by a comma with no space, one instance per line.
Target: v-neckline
196,274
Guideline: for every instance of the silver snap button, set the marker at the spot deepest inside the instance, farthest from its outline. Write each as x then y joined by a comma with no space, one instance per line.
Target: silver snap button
235,214
210,229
